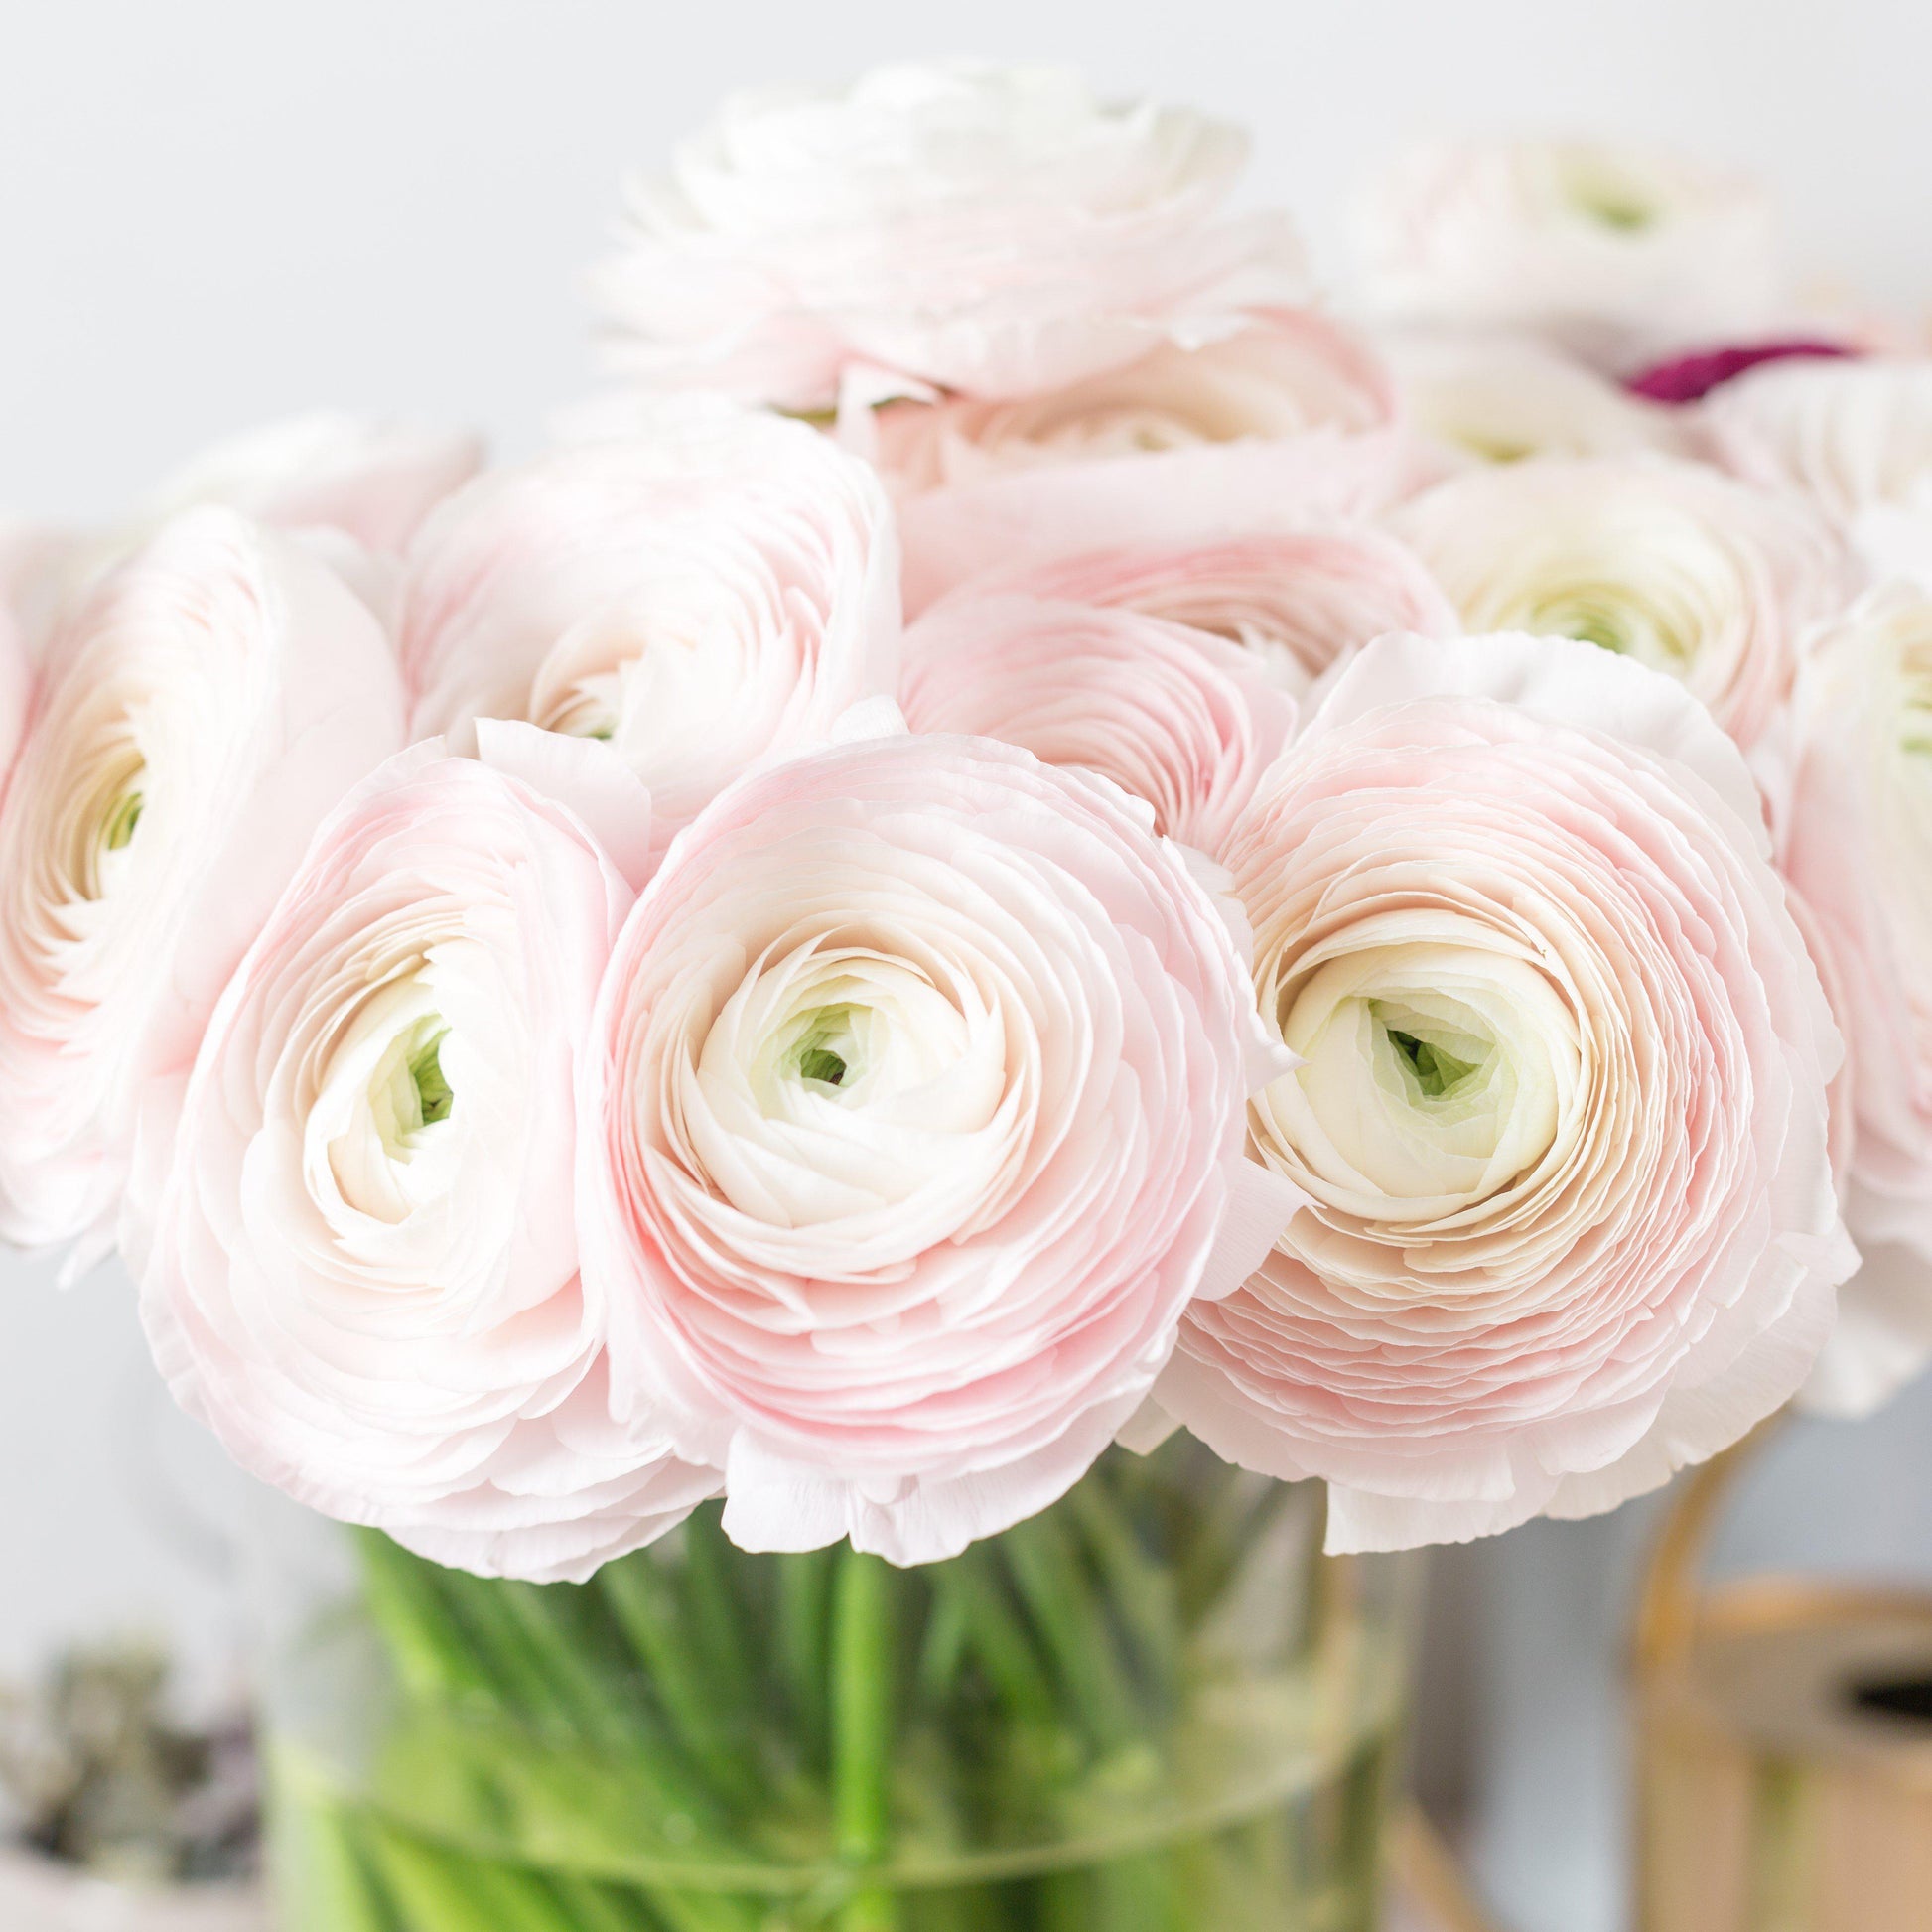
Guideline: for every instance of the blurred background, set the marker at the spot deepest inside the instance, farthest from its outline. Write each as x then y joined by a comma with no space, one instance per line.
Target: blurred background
213,212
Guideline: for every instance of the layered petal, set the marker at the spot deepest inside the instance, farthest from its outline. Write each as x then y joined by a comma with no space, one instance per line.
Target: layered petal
1177,717
1297,600
992,230
1852,436
1494,396
716,586
371,480
362,1274
198,712
1288,419
914,1121
1709,581
1559,1114
1615,251
1856,838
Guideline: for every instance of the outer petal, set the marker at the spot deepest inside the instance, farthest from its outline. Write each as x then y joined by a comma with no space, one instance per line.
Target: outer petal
372,480
714,586
232,690
1299,599
995,231
1183,720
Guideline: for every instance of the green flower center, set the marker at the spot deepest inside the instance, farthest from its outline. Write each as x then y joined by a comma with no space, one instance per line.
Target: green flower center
117,834
823,1049
1436,1068
434,1099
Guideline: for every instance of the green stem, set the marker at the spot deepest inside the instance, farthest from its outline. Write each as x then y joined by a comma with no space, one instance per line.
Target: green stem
1054,1584
862,1730
698,1706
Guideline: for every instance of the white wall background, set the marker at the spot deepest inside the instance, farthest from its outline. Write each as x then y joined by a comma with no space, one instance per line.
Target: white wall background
216,210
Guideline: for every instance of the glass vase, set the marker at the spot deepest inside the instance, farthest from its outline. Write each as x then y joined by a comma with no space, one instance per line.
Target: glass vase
1155,1707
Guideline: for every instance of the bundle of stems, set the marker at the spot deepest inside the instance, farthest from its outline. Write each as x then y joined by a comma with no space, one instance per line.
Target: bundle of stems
704,1740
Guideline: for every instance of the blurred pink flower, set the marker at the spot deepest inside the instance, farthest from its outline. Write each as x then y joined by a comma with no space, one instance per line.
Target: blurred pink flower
1855,834
990,230
1719,585
199,711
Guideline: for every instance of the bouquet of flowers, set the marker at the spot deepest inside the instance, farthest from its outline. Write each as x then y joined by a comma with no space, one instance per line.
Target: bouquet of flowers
1035,921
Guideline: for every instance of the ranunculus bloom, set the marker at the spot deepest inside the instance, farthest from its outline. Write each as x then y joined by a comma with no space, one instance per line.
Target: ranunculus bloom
1615,251
1853,436
990,230
1298,600
1182,719
374,480
327,474
1289,417
1685,569
915,1121
1857,839
1482,397
720,585
1560,1115
364,1268
196,715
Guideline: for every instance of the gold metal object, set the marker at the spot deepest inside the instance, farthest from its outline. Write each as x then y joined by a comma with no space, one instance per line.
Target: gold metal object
1430,1886
1785,1743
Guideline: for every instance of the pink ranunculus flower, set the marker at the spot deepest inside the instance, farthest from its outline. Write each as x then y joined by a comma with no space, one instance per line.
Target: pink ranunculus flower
1853,436
1290,417
354,486
1298,600
1691,573
714,586
1182,719
371,480
990,230
1618,252
1560,1113
915,1121
362,1274
196,713
1856,840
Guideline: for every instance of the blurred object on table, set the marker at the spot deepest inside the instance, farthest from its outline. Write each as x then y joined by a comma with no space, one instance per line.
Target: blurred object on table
1427,1889
119,1817
1785,1751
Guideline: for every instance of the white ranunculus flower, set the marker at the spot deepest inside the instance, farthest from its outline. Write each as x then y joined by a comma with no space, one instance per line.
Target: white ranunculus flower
1482,397
1617,251
1856,838
198,712
992,230
715,585
1852,435
1708,580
